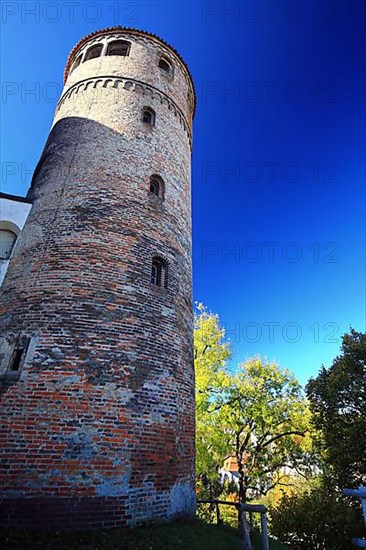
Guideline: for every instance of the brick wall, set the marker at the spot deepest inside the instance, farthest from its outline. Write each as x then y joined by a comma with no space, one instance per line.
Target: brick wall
98,427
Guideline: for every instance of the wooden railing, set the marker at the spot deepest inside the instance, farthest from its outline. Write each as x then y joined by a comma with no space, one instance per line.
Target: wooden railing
243,510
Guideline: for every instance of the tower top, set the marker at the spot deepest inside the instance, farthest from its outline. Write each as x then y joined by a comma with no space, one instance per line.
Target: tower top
132,31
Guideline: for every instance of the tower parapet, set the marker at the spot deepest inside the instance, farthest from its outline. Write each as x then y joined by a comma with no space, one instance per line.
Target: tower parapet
96,355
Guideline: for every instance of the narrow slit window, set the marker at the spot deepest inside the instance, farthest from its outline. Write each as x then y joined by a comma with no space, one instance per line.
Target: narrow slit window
119,47
157,186
148,116
154,187
190,100
16,360
158,272
93,52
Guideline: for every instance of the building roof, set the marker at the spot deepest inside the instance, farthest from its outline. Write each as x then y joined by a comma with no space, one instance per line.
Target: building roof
231,464
130,30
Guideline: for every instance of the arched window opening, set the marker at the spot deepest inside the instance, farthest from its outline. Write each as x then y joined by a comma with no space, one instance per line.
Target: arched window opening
93,52
164,65
148,116
7,242
119,47
157,186
158,272
76,64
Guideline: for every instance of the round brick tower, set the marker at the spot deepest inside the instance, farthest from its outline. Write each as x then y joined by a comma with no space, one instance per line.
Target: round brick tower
96,353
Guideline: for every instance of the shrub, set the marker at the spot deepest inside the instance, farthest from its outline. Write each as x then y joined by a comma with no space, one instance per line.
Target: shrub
316,519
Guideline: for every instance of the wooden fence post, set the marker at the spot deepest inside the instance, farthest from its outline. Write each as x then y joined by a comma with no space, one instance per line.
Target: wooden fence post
217,513
251,525
247,545
264,530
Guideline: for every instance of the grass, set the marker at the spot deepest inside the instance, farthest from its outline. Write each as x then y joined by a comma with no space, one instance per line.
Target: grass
195,535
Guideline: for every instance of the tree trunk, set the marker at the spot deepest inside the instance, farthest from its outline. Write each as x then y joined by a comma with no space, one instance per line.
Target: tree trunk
242,483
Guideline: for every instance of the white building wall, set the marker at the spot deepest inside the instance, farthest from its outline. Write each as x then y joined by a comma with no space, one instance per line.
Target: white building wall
13,214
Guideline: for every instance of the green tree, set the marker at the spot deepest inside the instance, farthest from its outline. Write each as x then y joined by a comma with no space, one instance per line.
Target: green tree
338,403
211,351
264,420
257,414
322,517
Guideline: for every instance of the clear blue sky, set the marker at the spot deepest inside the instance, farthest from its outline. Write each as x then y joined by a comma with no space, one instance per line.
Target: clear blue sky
278,162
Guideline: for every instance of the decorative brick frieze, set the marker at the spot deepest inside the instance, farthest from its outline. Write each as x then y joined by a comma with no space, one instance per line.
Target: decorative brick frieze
118,83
